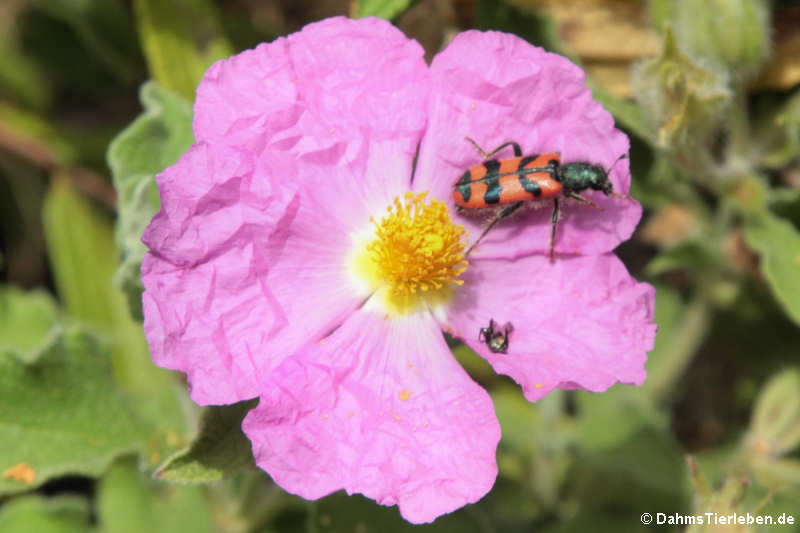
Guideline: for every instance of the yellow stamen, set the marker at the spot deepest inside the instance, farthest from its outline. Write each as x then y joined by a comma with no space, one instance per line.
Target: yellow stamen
417,253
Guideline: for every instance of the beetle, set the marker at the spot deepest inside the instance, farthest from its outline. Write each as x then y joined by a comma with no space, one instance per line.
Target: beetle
495,340
512,182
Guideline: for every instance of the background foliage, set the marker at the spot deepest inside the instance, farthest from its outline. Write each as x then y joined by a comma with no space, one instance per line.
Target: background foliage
95,98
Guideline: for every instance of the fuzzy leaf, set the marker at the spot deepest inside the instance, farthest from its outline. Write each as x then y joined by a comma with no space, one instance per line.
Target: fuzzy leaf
778,243
83,258
34,514
62,414
218,450
28,323
155,140
129,502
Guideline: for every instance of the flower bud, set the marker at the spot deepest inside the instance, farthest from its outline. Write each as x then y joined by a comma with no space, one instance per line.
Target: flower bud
777,474
685,99
734,33
775,427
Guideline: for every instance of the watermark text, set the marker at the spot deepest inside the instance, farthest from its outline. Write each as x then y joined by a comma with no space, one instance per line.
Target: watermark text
717,519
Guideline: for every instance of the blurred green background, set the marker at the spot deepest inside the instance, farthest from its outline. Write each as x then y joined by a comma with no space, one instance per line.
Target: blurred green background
95,98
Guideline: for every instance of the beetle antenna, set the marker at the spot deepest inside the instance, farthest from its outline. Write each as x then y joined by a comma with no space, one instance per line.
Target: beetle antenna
623,156
608,173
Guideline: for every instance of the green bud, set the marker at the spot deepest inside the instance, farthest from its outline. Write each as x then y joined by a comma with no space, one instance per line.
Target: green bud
775,427
777,474
777,133
733,33
685,99
748,192
725,501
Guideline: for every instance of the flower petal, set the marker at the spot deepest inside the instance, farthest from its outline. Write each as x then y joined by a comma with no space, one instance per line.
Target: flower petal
577,323
214,198
310,274
379,408
495,87
318,93
206,311
245,268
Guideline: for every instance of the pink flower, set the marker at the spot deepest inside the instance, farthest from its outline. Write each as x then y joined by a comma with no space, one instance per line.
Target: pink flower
295,258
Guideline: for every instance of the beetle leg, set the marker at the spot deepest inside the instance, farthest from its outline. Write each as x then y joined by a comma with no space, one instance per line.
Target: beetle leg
501,215
581,199
554,224
515,146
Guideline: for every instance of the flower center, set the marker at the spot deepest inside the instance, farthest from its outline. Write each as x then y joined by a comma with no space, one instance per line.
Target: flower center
417,252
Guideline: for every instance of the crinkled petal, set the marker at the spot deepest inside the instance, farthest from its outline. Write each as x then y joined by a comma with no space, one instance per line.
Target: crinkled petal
580,322
319,93
205,308
495,87
214,198
245,267
379,408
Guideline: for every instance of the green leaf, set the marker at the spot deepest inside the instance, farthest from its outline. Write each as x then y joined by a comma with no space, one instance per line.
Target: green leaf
477,367
180,39
669,311
615,416
778,243
34,514
220,448
682,329
35,130
255,503
387,9
778,474
22,78
340,512
518,419
62,414
155,140
646,471
83,258
533,25
102,27
82,253
129,502
28,323
692,255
